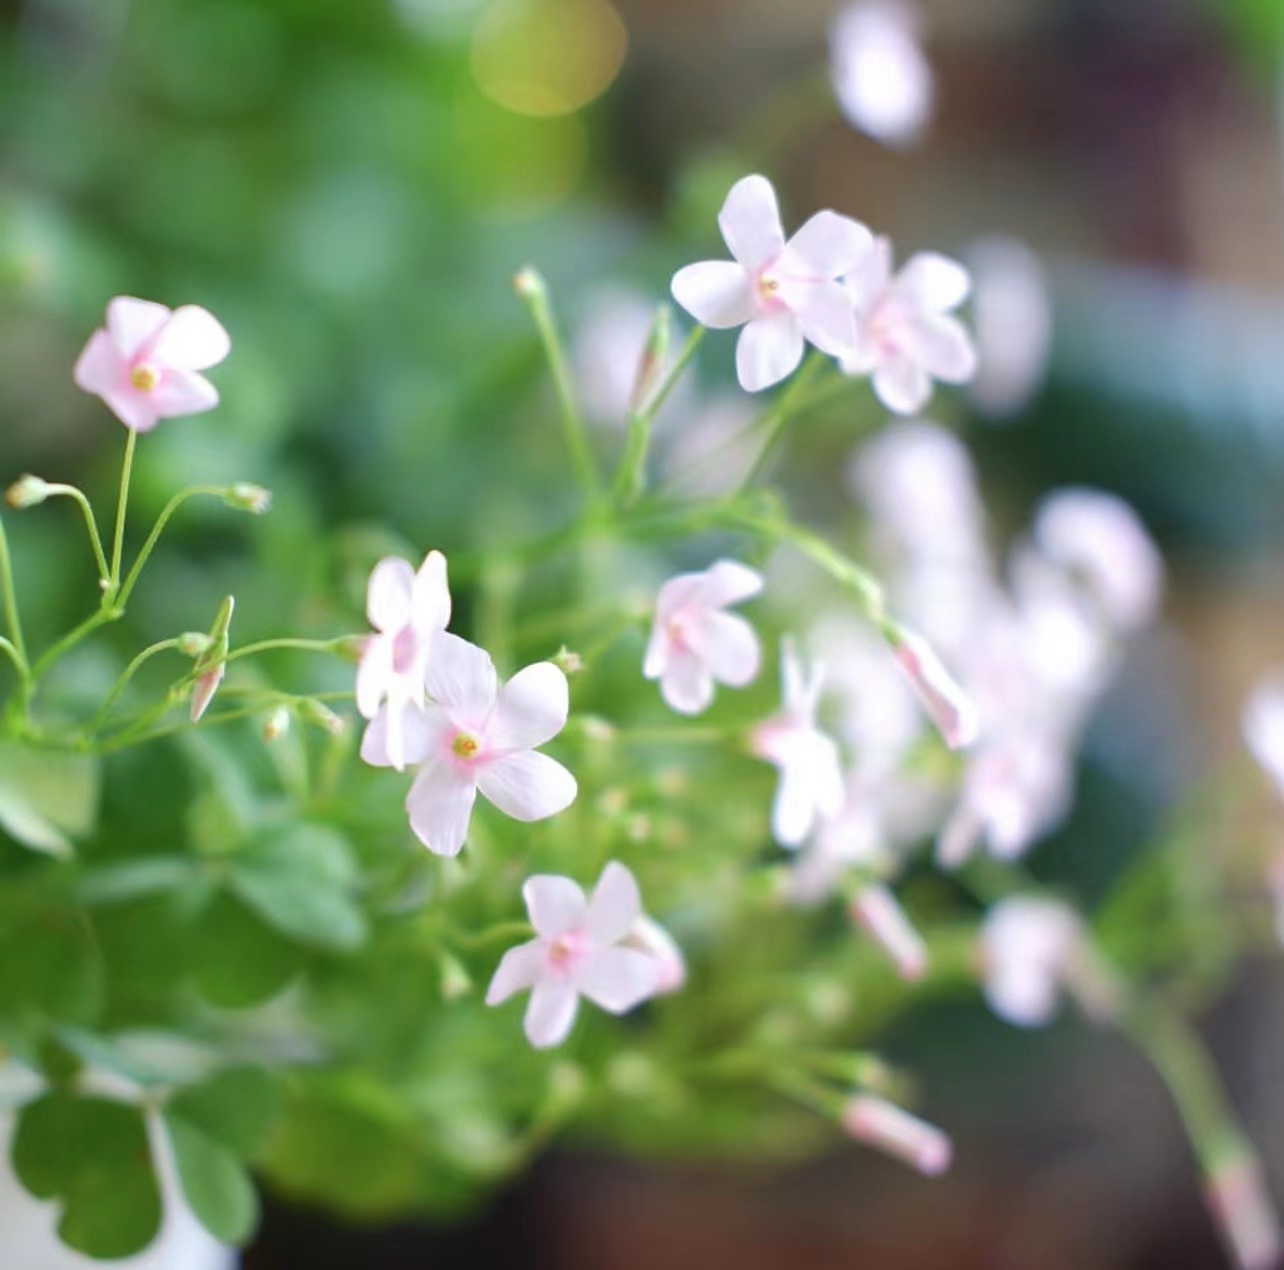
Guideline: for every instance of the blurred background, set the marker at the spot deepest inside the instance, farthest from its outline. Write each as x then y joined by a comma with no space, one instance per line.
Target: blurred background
350,185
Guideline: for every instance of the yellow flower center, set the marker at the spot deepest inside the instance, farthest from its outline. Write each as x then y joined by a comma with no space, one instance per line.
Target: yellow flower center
144,378
465,746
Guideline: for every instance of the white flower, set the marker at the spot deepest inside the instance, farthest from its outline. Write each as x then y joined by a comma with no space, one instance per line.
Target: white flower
1263,727
879,1123
783,294
476,735
581,948
406,609
1027,950
695,643
906,334
947,705
811,777
881,78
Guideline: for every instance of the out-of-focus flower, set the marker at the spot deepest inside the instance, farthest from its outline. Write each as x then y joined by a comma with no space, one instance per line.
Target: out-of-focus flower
1100,542
144,363
406,609
1263,727
27,491
648,936
881,77
951,710
695,643
891,1129
1028,947
1012,318
783,294
580,949
714,450
879,914
811,777
1238,1197
476,735
906,334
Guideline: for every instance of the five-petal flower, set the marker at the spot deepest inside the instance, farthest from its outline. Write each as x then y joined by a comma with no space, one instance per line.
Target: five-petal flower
784,294
144,363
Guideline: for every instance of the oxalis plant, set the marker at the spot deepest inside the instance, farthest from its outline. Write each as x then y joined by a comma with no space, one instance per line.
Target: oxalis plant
407,930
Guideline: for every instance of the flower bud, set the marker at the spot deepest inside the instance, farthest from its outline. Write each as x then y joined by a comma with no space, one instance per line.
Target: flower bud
947,705
456,982
318,713
206,686
246,497
1237,1197
194,643
27,491
529,283
568,662
654,358
879,914
889,1128
277,724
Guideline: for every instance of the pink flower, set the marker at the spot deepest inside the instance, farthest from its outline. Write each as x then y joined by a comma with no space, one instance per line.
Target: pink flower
811,777
695,643
879,1123
477,735
783,293
581,948
1028,949
144,362
947,705
906,334
406,609
879,914
882,80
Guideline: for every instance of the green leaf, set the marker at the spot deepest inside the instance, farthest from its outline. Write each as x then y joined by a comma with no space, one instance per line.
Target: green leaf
214,1181
236,1108
47,798
91,1156
49,968
301,880
240,961
133,879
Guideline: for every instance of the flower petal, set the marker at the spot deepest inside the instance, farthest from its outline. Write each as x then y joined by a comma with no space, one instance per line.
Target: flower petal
617,979
373,673
134,409
729,582
430,595
944,348
527,785
462,677
903,385
872,275
686,684
551,1014
826,314
828,246
440,804
717,293
192,339
769,350
615,906
554,904
420,732
750,222
100,368
934,282
183,392
520,968
531,708
731,649
388,594
133,322
793,813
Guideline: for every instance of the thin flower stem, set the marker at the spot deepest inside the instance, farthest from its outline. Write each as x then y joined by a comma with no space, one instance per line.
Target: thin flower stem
533,290
11,604
118,542
72,638
91,524
129,672
335,646
779,415
194,491
12,653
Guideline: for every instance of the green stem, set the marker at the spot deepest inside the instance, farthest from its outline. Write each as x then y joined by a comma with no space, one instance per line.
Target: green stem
7,647
302,645
773,424
534,292
72,638
11,603
195,491
123,682
118,542
91,524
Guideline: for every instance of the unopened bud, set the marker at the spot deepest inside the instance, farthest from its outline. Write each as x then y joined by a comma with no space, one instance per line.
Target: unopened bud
529,283
596,728
655,357
246,497
276,725
1238,1199
27,491
316,712
194,643
947,705
891,1129
456,982
206,686
880,916
570,663
351,647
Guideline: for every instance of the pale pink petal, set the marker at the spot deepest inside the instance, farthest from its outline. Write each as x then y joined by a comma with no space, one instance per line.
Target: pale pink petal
731,649
134,409
1024,996
686,684
192,339
728,582
828,246
527,785
461,676
373,673
133,322
879,1123
100,368
388,595
717,293
880,915
650,937
440,804
555,905
617,979
903,385
793,814
678,592
934,282
615,906
550,1014
531,708
657,651
519,969
421,731
944,348
750,222
872,274
825,313
183,392
769,350
430,595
